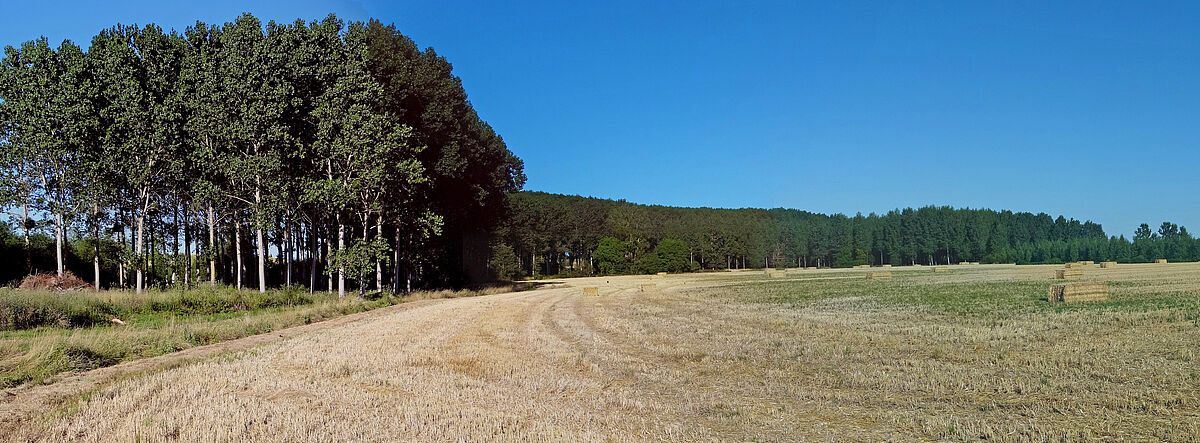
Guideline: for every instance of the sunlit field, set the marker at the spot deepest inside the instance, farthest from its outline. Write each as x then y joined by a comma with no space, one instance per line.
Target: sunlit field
973,353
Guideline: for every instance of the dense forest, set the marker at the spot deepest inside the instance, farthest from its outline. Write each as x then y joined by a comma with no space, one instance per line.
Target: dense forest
247,154
550,234
330,155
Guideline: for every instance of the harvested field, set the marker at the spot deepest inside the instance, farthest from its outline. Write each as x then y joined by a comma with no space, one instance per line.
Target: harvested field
827,355
879,275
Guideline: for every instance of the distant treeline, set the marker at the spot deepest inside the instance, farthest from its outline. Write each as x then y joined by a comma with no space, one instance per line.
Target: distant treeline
549,234
247,153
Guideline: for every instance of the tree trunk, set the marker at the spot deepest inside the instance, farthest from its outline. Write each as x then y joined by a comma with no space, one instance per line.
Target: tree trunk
312,257
287,246
187,251
96,244
175,265
362,276
58,241
262,247
328,256
379,260
341,266
121,240
141,225
212,243
28,247
396,262
237,240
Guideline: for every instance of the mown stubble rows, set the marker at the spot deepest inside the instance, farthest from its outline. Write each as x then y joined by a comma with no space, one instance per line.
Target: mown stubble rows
963,355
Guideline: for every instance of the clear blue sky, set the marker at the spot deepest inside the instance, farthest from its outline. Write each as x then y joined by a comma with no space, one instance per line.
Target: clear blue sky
1086,109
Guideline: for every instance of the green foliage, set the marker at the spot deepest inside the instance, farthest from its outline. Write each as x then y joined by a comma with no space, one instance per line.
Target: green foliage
359,258
611,256
669,255
546,228
287,129
848,258
503,264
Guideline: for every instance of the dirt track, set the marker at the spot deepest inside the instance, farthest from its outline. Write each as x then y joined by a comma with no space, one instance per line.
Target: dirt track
524,365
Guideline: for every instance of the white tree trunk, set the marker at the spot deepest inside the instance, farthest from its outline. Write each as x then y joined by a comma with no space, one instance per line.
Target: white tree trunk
341,267
96,245
212,242
262,248
396,263
287,246
379,261
237,239
25,224
262,262
58,241
328,255
141,225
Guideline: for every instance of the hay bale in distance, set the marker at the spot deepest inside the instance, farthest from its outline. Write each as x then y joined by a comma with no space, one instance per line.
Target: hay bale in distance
1108,264
1087,262
886,266
1161,261
882,275
1073,265
1068,274
1078,292
964,263
591,291
660,274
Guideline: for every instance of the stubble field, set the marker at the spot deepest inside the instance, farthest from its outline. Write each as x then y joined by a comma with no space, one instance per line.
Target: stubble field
973,353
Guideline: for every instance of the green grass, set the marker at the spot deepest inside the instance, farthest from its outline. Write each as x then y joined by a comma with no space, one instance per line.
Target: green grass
991,299
20,309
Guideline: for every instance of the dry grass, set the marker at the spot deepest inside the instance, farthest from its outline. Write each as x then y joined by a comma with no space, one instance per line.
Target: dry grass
1070,292
826,355
1071,273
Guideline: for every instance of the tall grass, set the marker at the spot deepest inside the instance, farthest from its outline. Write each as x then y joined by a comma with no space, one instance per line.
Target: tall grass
21,309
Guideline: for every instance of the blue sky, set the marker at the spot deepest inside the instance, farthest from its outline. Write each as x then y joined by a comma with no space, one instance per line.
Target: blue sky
1086,109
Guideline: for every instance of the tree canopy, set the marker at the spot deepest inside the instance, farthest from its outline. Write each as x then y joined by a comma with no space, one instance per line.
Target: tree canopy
558,234
320,149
